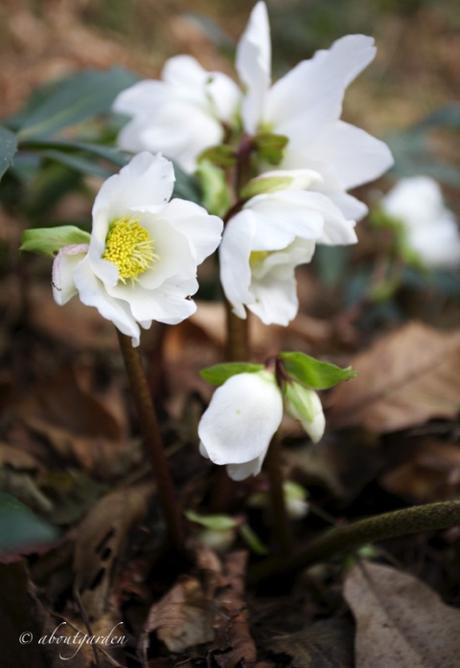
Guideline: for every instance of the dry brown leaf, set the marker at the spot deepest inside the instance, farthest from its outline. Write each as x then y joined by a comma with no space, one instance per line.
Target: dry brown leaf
431,473
100,539
325,644
400,621
404,379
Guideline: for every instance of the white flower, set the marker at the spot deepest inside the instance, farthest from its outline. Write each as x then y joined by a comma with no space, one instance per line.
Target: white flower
237,427
266,240
181,115
430,227
245,412
141,261
306,104
186,111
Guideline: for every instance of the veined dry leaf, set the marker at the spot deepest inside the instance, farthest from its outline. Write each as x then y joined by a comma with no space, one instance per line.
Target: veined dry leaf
431,473
400,621
404,379
100,539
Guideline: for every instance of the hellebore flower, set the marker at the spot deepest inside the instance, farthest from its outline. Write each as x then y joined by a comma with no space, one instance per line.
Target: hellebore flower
191,109
141,260
268,238
242,418
181,115
430,227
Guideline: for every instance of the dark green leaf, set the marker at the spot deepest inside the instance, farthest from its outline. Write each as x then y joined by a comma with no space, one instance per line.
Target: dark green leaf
49,240
186,186
70,101
109,153
77,163
219,373
312,372
21,531
8,148
252,540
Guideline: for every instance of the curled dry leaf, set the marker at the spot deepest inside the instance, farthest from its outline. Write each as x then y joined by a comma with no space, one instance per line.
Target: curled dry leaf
405,378
101,538
208,608
400,621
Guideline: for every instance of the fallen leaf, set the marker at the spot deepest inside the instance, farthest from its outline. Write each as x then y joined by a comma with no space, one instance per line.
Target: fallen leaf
324,644
400,621
101,538
431,473
405,378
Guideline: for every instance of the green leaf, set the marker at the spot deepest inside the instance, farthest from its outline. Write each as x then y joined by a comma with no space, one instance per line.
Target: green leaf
70,101
216,198
21,530
49,240
270,147
114,155
212,522
8,148
77,163
221,156
219,373
312,372
252,540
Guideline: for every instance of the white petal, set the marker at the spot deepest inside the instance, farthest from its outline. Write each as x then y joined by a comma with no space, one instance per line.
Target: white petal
147,180
275,300
241,419
239,472
355,156
351,207
143,97
202,230
92,293
416,200
234,252
311,94
253,63
63,272
225,95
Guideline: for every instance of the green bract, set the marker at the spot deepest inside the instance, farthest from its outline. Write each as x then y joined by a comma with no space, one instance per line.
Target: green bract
50,240
270,147
262,185
312,372
212,522
219,373
216,198
222,155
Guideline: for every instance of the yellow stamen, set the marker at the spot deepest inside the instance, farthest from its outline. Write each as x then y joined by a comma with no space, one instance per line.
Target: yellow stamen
257,257
130,247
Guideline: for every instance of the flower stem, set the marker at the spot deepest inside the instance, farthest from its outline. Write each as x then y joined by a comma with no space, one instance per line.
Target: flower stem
153,440
347,538
281,525
237,341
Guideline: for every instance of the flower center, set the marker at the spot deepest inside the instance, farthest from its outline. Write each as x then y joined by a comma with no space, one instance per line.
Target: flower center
130,247
257,257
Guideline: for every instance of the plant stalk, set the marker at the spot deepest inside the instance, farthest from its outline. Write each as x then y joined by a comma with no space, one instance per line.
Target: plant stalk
281,525
347,538
153,440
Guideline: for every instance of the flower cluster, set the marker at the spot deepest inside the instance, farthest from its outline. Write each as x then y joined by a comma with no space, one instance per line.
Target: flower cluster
193,115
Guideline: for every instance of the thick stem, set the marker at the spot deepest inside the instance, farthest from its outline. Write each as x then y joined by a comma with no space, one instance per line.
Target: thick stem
339,540
281,526
152,437
237,342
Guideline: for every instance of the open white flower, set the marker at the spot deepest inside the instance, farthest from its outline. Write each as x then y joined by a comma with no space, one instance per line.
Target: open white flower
267,239
431,228
305,105
141,261
186,111
243,416
181,115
